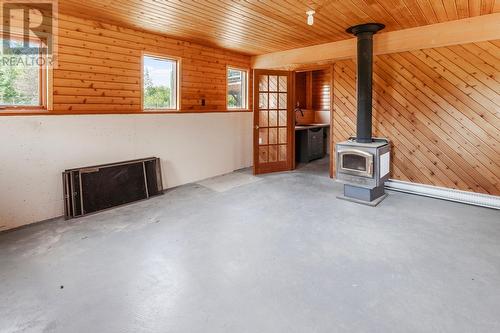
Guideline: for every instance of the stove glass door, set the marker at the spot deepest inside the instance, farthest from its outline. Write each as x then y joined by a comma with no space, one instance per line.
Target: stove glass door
356,162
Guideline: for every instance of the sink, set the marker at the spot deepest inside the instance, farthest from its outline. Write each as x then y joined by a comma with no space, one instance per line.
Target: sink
310,126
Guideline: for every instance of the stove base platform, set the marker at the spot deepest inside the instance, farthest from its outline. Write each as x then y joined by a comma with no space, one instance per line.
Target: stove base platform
368,196
373,203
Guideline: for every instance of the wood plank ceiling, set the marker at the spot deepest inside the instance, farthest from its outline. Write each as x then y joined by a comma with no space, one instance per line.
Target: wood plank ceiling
263,26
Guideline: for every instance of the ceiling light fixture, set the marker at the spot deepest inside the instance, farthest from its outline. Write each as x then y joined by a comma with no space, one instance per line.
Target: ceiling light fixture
310,17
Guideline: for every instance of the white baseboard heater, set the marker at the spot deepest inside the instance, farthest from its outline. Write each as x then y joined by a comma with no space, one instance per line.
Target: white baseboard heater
92,189
470,198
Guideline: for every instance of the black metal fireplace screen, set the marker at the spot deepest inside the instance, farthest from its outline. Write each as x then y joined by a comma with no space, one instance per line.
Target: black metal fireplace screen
92,189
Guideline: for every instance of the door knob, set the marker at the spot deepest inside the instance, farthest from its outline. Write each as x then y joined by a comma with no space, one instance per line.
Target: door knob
257,127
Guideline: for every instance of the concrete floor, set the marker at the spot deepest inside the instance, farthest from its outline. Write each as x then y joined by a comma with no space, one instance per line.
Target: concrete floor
277,253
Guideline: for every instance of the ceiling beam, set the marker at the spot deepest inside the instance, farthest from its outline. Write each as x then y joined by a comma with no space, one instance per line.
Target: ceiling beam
475,29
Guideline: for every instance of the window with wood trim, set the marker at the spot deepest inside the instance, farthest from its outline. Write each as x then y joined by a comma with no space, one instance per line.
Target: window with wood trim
23,79
237,89
160,83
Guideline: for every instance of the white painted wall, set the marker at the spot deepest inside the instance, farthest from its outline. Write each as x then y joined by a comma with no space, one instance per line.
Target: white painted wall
35,150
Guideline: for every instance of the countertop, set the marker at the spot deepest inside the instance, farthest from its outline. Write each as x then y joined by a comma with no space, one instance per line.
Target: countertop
311,126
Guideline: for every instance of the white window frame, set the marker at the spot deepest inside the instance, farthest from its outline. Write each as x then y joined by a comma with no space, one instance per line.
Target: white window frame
177,82
246,90
45,76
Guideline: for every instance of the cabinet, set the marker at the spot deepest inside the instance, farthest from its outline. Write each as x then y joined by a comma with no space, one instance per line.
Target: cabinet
310,143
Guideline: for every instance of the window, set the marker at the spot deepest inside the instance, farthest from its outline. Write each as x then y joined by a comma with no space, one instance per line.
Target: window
237,83
22,79
161,83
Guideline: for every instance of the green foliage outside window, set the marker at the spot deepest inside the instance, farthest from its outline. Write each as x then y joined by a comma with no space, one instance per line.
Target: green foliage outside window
236,90
155,97
19,85
234,99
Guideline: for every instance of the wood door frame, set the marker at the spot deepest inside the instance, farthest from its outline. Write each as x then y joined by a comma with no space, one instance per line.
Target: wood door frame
275,167
311,68
294,95
332,110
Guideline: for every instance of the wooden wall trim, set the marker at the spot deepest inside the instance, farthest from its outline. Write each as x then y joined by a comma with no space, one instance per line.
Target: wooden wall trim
475,29
97,112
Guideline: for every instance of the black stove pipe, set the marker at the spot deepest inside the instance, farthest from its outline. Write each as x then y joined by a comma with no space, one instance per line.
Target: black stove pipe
364,33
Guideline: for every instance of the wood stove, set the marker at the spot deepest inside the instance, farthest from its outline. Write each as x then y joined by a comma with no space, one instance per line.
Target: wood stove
363,168
363,162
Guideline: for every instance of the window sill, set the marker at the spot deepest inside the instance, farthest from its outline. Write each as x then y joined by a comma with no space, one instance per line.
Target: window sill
22,110
161,110
195,111
45,112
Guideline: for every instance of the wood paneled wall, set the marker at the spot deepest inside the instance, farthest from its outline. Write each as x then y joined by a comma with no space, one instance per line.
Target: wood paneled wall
321,86
313,91
301,89
100,69
439,107
303,96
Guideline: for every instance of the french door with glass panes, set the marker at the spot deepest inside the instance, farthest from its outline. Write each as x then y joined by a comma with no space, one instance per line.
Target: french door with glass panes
273,121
